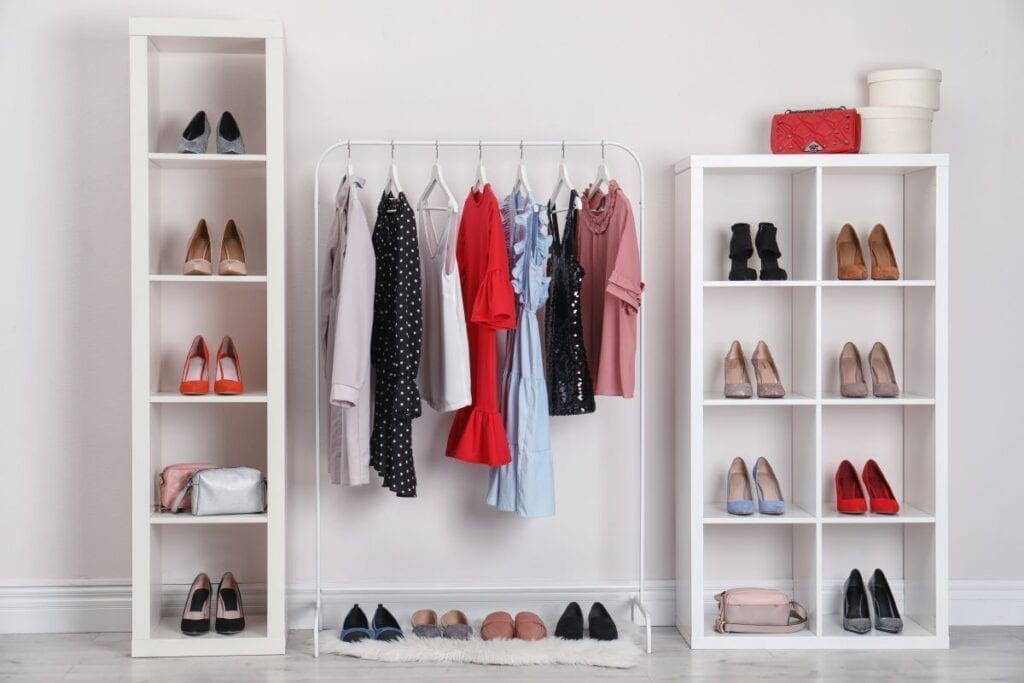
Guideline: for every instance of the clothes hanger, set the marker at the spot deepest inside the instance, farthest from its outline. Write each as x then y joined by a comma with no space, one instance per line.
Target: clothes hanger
481,173
349,171
437,180
521,181
392,184
563,181
603,175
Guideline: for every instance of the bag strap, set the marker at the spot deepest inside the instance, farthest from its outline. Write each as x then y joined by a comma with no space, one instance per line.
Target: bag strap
180,498
797,622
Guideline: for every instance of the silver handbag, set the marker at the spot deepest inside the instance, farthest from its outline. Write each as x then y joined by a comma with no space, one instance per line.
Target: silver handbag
225,491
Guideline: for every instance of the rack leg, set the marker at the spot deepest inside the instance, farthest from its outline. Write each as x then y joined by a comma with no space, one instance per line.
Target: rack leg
640,608
316,626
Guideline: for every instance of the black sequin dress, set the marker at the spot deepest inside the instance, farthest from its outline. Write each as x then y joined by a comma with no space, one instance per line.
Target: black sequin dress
395,343
570,389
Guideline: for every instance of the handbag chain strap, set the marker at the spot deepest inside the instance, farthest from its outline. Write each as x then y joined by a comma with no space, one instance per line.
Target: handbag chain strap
813,111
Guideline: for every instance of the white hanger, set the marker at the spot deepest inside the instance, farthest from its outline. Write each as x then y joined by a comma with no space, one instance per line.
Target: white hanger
521,181
349,171
392,184
437,180
563,181
603,175
481,174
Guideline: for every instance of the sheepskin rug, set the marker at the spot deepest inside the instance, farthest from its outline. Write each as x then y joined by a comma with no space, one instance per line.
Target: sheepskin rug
623,653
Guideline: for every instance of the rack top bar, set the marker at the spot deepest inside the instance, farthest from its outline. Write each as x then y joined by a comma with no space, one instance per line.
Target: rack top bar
806,161
205,28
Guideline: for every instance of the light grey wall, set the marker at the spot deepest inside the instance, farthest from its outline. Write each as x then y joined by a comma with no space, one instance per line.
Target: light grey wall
669,78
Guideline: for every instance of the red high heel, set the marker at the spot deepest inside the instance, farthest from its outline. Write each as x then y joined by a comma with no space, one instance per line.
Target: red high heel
195,376
849,494
882,500
229,369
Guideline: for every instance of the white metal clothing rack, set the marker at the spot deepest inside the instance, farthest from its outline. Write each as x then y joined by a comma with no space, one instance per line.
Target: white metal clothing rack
639,608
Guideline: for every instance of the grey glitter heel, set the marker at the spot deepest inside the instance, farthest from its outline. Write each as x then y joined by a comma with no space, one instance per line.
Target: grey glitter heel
856,614
883,377
229,137
737,381
851,373
768,383
887,614
196,135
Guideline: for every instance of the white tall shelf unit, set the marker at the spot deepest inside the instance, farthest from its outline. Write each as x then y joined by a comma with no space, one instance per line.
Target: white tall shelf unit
809,551
178,66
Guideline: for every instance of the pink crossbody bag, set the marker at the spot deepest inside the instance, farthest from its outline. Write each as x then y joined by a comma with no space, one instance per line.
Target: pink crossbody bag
758,610
173,481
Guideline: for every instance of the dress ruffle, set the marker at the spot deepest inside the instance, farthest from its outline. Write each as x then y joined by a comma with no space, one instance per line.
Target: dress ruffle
494,305
539,282
478,436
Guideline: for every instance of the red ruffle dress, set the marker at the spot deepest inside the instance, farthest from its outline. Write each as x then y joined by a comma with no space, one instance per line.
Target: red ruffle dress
478,433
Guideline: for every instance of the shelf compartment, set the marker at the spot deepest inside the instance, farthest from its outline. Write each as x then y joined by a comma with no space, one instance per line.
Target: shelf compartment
877,283
185,518
790,399
715,513
787,199
785,318
758,284
207,161
908,514
900,199
175,397
210,279
904,399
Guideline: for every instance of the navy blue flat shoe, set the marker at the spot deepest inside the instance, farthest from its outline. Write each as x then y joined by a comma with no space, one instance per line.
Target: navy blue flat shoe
385,626
355,627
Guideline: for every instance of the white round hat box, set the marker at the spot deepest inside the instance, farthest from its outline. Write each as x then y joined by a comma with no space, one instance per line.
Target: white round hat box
904,88
895,130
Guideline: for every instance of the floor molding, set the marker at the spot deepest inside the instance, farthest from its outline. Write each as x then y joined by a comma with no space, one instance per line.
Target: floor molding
105,606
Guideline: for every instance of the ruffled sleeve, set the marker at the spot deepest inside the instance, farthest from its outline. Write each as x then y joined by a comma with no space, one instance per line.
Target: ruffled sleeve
494,304
624,282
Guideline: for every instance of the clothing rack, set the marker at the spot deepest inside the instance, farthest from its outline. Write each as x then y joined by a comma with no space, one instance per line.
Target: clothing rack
637,602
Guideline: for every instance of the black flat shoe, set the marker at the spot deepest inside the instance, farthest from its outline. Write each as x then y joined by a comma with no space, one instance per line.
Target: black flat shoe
195,619
887,615
856,617
741,249
769,253
230,616
385,626
570,624
355,627
602,627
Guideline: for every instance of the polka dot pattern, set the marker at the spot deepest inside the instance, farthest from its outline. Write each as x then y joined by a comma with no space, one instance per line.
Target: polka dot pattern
396,343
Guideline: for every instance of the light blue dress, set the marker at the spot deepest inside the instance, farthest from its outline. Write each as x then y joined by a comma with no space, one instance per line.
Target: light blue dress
525,485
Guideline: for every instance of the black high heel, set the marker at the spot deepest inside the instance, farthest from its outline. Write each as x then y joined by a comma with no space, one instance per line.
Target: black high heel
768,252
195,618
230,616
741,249
570,624
856,617
602,627
887,615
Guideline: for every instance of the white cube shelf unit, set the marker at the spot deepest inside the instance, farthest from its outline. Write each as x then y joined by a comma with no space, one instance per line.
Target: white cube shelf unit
809,551
177,67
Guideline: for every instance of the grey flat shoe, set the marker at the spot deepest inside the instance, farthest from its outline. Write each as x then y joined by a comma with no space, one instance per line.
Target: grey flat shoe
768,383
737,381
454,625
883,377
229,137
851,373
424,624
196,135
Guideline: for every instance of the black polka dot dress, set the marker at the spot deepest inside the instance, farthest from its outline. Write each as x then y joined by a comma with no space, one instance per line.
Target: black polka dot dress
395,344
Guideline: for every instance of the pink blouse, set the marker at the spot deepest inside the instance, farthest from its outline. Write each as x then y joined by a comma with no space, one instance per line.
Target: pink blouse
610,296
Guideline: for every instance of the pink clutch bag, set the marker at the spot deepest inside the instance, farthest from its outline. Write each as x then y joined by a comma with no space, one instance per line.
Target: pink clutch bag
758,610
173,480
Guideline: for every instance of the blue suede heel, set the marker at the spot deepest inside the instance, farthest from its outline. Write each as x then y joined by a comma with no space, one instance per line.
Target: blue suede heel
738,498
770,502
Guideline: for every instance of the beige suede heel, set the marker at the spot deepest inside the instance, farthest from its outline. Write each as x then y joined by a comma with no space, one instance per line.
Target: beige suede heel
197,255
883,377
851,373
883,258
232,251
769,385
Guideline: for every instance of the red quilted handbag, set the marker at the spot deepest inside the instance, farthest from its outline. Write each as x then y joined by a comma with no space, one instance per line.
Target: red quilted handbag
816,131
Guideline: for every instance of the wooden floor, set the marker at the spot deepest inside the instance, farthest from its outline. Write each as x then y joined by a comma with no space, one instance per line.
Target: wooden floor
990,653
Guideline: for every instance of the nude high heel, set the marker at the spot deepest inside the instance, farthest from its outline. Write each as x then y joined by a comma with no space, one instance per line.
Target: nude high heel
232,251
883,258
767,374
737,381
229,369
883,377
197,256
849,256
851,373
195,376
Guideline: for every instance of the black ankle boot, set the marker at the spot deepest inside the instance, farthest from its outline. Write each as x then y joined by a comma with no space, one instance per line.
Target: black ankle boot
768,252
741,249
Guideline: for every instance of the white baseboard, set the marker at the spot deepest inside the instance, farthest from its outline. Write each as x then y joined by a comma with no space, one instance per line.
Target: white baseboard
98,606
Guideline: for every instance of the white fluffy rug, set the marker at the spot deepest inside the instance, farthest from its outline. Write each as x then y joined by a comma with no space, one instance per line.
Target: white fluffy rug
619,654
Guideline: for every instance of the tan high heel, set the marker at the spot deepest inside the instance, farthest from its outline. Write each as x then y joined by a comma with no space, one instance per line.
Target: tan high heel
737,381
883,377
883,258
767,374
851,373
232,251
197,256
849,255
